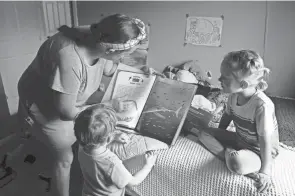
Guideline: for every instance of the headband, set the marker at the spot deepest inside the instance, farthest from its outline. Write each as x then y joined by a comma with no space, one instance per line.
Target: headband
130,43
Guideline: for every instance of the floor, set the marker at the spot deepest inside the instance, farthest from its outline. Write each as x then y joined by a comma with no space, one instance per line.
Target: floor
285,113
27,182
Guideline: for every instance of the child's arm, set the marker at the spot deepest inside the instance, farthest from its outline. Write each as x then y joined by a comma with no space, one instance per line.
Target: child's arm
226,117
225,121
265,128
265,151
151,158
121,177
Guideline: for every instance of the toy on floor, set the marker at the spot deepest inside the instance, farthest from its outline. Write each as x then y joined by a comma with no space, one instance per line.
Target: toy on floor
7,173
30,159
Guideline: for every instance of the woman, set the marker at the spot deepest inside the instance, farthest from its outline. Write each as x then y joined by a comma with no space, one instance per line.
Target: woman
66,71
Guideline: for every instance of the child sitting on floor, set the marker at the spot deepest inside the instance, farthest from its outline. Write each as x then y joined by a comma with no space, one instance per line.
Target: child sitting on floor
251,149
103,172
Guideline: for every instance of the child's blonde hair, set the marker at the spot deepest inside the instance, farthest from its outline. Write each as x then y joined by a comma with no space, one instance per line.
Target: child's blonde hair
248,65
94,125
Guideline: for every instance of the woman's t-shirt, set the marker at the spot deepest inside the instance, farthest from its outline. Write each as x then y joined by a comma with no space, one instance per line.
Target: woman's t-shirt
58,66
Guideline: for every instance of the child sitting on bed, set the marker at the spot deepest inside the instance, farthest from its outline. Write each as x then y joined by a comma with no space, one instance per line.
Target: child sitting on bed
103,172
251,149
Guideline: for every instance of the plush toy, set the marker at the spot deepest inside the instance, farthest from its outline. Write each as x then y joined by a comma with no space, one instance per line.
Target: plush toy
194,67
185,73
208,97
186,76
199,101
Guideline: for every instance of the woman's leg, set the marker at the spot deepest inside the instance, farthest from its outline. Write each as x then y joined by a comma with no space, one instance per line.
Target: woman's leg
61,172
243,162
58,136
59,145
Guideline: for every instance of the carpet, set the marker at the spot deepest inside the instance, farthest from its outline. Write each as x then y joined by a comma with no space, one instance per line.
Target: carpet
285,113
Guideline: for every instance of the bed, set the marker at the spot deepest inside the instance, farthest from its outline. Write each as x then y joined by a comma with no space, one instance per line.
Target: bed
188,169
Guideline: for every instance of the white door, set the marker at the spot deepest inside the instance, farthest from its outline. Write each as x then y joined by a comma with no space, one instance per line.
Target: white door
24,25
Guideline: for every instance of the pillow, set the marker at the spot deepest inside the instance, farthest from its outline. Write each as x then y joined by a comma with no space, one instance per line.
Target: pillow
137,145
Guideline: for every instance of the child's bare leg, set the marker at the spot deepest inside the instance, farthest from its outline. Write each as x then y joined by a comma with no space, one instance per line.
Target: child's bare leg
215,140
243,162
212,144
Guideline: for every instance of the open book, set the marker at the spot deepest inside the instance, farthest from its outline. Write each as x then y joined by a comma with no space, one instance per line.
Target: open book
153,106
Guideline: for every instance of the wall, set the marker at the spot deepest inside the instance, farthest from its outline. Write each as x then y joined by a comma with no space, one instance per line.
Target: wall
266,27
168,20
24,26
280,47
20,36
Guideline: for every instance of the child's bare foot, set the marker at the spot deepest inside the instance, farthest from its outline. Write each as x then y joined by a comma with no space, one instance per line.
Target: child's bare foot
253,176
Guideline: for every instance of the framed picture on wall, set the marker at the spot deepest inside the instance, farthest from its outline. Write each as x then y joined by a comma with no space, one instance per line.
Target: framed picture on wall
205,31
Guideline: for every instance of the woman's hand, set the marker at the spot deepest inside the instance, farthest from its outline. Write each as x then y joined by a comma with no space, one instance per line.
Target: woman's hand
150,71
263,183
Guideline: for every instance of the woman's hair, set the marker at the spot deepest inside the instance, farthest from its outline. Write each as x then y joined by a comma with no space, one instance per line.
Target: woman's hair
94,125
115,28
248,66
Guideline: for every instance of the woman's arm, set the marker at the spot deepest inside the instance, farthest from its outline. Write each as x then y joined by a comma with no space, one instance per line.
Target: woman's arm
65,106
65,81
110,68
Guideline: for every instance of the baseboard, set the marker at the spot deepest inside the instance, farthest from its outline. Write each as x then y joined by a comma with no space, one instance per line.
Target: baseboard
290,98
6,139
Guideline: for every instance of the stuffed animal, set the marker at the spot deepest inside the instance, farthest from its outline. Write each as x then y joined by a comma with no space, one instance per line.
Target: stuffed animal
186,76
199,101
184,73
194,67
208,97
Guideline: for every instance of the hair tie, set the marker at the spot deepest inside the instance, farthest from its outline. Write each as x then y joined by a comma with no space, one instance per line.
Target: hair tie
130,43
252,62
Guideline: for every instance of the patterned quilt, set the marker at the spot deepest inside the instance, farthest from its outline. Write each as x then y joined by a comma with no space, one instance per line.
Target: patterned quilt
188,169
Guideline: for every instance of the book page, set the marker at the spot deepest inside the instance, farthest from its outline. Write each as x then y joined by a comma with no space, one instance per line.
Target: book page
108,94
132,89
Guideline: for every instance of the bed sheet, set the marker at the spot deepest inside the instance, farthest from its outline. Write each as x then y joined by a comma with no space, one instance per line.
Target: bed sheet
188,169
